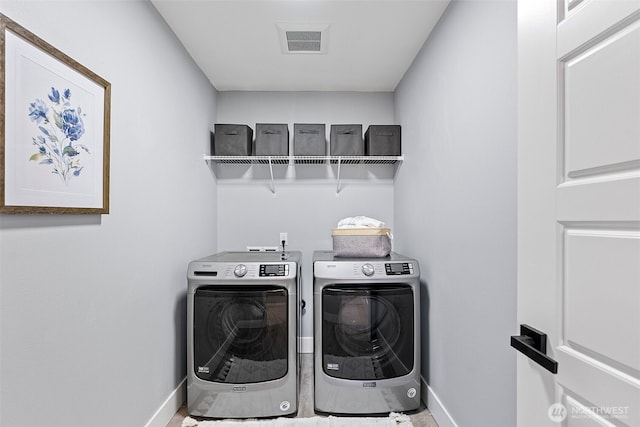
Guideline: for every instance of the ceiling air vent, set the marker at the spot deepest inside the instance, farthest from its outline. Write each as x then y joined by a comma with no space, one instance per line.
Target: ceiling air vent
303,41
303,38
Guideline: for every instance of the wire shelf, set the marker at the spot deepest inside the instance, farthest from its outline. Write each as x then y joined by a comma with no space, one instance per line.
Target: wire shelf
306,160
245,160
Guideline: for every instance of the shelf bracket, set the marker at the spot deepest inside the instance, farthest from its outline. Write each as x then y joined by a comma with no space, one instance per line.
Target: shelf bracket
338,185
273,186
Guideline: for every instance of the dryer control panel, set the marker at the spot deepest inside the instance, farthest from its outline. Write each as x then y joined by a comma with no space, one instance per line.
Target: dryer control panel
398,268
390,269
365,269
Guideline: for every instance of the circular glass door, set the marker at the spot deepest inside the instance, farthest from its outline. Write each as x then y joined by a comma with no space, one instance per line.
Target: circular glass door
367,331
240,334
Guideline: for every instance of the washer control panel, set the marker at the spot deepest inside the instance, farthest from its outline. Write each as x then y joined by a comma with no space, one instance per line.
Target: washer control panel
246,267
273,270
247,270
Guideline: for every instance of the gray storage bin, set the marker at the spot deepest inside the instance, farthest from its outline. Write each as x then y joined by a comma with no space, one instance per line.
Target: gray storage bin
232,140
309,139
382,140
272,139
346,140
361,242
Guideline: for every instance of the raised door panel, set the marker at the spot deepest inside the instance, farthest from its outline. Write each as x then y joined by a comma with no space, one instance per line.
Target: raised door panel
602,115
602,273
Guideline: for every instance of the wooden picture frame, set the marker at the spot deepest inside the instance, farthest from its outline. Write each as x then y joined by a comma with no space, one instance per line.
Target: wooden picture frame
54,129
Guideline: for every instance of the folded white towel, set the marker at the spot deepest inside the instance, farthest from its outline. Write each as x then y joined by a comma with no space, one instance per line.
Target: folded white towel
360,222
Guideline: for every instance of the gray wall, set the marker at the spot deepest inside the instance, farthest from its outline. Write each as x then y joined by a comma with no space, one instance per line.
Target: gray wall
305,204
92,317
455,208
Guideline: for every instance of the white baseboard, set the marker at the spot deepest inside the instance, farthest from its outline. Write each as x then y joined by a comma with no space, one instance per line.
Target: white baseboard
170,406
435,406
306,344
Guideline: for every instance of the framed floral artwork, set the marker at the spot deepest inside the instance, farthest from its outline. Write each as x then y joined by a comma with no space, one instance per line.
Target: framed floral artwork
54,129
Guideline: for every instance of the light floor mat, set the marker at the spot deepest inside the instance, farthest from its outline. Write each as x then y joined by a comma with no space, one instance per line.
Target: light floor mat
393,420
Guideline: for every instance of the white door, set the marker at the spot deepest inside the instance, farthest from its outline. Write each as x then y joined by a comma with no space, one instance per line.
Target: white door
579,210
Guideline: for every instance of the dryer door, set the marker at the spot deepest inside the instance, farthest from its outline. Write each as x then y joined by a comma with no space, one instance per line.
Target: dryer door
240,333
367,331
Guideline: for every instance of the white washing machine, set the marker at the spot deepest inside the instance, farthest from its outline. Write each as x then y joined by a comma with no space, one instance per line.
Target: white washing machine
366,334
243,313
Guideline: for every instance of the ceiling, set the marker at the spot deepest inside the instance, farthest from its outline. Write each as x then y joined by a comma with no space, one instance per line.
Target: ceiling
238,43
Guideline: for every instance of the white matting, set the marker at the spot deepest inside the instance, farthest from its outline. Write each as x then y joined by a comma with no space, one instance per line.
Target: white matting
393,420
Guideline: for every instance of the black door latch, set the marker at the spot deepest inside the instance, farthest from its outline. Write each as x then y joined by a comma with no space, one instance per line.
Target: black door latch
533,344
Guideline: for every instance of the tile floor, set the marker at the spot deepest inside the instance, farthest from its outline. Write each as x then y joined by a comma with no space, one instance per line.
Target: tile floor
420,418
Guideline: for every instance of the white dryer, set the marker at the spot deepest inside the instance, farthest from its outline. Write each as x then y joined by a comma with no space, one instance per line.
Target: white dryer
366,334
243,314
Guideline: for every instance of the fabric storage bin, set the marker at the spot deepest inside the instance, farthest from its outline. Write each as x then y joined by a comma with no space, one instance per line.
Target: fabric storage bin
346,140
272,139
232,140
382,140
361,242
309,139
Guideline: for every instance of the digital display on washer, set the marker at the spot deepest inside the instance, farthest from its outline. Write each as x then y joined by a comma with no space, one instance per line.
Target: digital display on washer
270,270
397,268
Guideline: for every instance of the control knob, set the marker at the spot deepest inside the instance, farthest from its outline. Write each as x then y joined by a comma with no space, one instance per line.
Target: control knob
240,270
367,269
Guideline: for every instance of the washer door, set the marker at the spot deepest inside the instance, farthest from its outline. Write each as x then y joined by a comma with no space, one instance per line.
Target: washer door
367,331
240,333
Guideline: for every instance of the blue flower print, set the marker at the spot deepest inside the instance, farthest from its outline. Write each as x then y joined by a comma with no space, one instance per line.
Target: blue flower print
57,143
72,124
38,111
54,96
